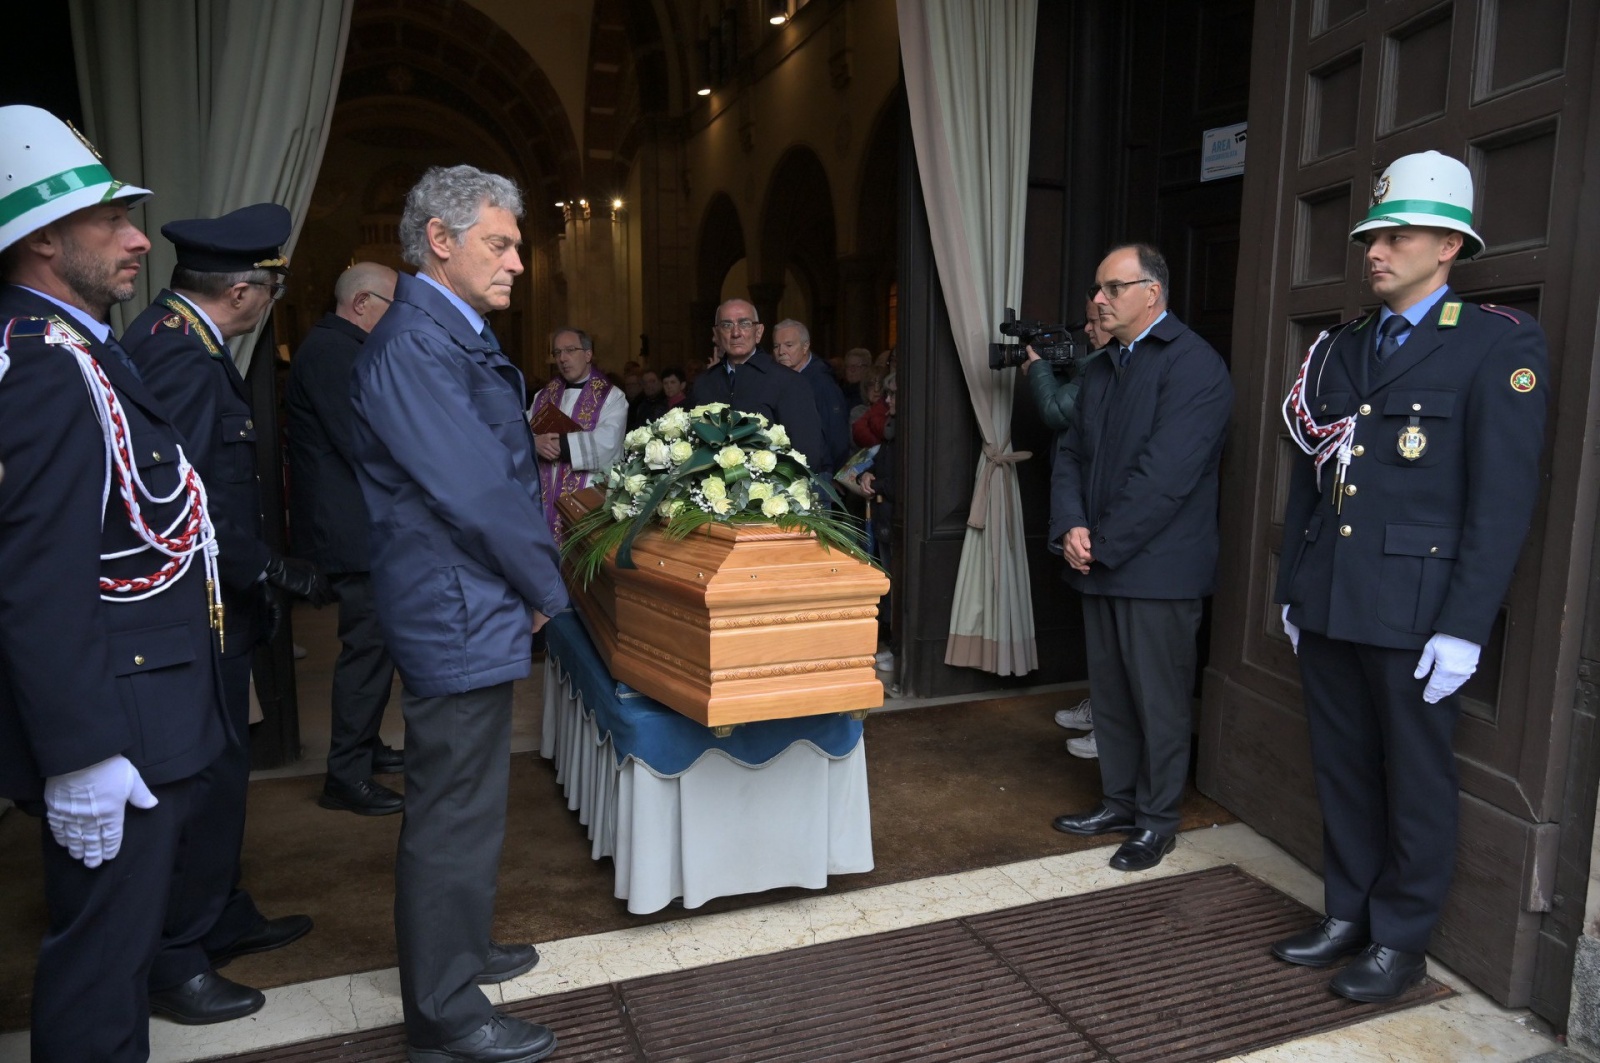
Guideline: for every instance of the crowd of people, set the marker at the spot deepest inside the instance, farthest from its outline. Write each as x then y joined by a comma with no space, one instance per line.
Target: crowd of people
140,582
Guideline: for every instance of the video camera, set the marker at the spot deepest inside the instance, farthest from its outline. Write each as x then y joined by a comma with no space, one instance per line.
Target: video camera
1053,343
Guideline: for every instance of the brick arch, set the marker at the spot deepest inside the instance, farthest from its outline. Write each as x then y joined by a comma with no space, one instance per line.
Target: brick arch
457,58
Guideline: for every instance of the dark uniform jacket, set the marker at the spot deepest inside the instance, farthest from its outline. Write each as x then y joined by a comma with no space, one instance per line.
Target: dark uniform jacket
83,679
328,516
187,367
1138,465
763,386
832,412
1425,543
461,553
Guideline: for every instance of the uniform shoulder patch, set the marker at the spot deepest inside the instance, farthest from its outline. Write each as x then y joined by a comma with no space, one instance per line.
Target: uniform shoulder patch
172,321
1502,311
1449,315
1523,381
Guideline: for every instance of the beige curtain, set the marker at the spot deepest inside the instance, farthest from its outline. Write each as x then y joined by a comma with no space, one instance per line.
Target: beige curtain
211,104
969,79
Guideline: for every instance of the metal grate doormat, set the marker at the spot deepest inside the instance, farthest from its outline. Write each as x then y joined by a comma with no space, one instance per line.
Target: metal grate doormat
1172,970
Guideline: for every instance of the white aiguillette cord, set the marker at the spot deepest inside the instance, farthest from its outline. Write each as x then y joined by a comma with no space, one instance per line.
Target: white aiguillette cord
1322,442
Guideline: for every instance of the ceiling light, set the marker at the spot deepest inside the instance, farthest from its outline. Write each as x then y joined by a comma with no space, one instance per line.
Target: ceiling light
703,92
616,204
777,12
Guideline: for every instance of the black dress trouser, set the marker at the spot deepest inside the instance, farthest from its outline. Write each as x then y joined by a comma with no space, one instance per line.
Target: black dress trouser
362,678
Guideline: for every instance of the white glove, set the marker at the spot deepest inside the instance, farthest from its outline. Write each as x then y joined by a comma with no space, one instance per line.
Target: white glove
1453,661
1292,631
85,807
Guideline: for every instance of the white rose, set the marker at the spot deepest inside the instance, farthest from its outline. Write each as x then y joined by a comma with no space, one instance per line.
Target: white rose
775,506
670,508
801,458
759,491
657,454
620,512
778,437
637,438
681,451
800,491
708,408
721,506
713,488
763,461
730,457
636,484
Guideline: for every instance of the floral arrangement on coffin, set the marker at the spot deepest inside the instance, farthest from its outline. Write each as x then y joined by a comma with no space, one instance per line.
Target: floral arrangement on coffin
688,468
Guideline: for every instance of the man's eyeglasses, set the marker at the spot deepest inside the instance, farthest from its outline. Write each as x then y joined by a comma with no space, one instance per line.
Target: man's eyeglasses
744,324
278,288
375,295
1115,288
557,352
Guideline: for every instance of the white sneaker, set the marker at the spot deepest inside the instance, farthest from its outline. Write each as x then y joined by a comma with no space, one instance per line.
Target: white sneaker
1084,747
1078,718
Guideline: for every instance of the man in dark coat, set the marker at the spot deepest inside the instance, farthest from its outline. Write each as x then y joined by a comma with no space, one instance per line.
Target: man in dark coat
1134,511
748,379
229,271
329,522
109,695
464,572
791,348
1425,421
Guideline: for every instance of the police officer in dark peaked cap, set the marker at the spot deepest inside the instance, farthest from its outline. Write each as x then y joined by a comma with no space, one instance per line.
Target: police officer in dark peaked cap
230,271
1423,423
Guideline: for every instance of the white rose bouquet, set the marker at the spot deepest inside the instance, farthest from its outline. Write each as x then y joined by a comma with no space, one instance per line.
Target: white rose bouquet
690,467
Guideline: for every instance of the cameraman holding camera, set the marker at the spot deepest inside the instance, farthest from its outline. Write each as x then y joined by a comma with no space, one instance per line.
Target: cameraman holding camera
1056,397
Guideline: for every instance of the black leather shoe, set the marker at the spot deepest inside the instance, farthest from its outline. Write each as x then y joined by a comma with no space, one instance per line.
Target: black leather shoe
505,962
500,1040
1143,849
386,761
1099,820
1379,974
364,798
271,934
1328,941
206,998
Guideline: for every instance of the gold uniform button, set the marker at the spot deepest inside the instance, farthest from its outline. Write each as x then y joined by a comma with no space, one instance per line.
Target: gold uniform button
1433,549
1365,409
1345,530
138,658
252,424
1323,408
1358,450
1349,489
155,455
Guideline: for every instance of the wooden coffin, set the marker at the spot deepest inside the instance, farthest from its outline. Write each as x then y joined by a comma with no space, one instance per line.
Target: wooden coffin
736,623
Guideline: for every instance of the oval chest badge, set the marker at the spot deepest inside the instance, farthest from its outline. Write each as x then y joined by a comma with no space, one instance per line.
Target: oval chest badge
1413,442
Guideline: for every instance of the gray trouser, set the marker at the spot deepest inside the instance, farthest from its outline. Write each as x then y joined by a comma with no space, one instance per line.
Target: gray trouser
1141,681
458,762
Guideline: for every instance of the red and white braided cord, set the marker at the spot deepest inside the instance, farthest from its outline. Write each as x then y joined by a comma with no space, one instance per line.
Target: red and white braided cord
197,535
1322,441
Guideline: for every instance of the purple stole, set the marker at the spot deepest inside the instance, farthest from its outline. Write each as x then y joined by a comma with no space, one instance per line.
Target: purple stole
557,478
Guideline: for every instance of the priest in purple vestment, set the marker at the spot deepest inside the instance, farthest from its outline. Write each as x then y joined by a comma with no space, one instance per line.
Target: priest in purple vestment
571,461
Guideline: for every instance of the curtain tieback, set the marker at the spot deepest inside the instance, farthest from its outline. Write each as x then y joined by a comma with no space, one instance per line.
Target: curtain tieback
993,458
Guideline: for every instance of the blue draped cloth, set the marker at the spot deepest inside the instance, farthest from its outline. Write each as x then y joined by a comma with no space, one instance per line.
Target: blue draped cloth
665,741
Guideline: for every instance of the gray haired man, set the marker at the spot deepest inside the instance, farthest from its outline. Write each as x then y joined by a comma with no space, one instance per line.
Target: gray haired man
463,573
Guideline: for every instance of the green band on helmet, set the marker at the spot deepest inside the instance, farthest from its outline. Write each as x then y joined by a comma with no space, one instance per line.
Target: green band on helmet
1382,211
39,193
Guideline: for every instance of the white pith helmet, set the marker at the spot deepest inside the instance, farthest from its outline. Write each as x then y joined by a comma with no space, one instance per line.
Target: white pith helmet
1427,189
47,171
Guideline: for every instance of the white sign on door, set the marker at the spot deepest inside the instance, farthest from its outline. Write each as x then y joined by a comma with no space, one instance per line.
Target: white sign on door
1222,152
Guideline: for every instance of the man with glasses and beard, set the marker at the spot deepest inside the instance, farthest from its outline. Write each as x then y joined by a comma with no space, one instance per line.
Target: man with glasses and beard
1134,511
229,272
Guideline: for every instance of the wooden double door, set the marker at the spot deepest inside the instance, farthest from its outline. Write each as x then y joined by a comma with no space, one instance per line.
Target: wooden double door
1339,88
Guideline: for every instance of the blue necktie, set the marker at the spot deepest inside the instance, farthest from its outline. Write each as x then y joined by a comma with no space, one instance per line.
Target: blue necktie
1123,356
122,356
487,334
1389,337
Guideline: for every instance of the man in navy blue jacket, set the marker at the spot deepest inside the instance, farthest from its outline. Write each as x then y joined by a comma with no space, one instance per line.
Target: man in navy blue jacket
463,573
791,348
1134,511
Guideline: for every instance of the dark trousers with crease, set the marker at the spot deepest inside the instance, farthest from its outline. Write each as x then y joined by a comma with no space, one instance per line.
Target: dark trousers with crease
362,677
458,763
207,911
90,996
1141,681
1387,783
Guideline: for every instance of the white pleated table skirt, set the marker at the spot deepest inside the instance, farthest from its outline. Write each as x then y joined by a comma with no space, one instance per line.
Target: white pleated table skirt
718,829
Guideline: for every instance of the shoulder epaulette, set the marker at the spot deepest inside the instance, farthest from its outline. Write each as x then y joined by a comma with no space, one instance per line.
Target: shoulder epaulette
1502,311
25,328
172,321
1362,318
192,323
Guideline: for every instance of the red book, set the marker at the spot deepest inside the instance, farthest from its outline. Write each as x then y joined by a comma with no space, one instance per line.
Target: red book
551,419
